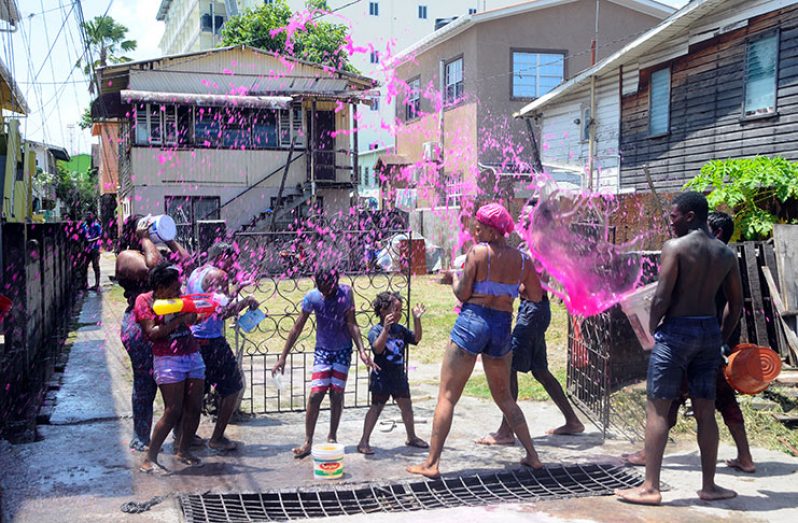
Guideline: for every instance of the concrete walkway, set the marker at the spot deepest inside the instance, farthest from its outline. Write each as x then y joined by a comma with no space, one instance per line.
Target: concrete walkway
82,470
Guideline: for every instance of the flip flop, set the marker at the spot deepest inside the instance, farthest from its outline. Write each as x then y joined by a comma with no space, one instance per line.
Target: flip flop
301,455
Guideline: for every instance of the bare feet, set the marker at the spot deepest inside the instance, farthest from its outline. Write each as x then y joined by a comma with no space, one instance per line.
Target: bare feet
425,470
223,444
332,439
637,459
494,438
364,448
187,458
532,462
640,496
417,443
567,429
744,466
303,451
716,493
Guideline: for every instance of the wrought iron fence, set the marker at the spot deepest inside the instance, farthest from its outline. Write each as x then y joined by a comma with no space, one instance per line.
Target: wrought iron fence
280,266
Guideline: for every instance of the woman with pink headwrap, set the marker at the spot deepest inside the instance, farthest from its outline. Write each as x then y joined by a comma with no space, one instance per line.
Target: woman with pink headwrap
489,284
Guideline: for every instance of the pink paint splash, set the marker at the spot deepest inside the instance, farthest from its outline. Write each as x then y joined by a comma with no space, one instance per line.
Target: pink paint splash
569,236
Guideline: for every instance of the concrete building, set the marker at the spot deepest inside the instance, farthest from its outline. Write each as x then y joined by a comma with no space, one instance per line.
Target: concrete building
462,84
208,135
194,25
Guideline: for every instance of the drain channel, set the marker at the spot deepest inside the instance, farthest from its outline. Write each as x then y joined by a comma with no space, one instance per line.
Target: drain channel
556,482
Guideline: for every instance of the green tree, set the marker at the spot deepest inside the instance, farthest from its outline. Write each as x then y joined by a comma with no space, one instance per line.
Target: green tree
78,190
759,191
264,27
107,39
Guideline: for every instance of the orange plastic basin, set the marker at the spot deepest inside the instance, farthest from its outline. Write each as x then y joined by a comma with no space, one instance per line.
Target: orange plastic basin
752,368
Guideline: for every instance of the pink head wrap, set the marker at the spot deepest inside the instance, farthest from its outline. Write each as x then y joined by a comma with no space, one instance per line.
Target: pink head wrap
497,217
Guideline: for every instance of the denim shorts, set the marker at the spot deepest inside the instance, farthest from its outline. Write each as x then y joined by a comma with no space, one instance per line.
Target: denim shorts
390,380
482,330
685,347
174,369
529,336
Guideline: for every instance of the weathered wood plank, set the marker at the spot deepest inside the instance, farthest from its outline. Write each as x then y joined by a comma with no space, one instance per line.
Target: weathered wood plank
755,291
789,333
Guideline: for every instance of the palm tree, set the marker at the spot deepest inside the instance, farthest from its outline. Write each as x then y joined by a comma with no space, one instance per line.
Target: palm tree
108,38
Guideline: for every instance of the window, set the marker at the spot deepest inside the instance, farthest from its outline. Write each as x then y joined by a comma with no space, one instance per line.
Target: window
761,58
374,8
264,130
375,104
535,74
422,12
185,210
268,2
454,81
375,57
156,124
659,108
413,104
208,127
472,11
454,189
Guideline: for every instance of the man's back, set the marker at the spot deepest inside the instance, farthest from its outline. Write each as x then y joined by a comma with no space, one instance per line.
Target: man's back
704,264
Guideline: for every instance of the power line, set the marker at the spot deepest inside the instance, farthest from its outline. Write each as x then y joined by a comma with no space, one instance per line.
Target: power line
52,67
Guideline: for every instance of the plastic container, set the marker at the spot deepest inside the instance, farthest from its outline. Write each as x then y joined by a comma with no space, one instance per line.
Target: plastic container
277,380
162,228
637,307
752,368
328,461
250,319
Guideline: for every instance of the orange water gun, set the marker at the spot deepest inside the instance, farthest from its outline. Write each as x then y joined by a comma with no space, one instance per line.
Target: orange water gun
198,303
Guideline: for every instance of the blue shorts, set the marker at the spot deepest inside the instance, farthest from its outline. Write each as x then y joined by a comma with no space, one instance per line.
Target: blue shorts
221,366
174,369
685,347
529,336
389,381
482,330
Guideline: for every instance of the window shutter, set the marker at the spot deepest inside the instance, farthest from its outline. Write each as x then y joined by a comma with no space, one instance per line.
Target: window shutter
660,102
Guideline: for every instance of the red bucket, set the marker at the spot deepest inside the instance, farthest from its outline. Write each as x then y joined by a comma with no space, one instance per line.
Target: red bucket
752,368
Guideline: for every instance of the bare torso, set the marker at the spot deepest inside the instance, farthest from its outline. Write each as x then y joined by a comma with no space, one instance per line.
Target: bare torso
703,264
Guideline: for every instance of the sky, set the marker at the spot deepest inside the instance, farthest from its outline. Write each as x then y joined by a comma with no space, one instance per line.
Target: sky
42,53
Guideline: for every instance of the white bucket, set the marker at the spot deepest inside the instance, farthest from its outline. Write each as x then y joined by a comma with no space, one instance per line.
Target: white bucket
637,307
328,461
162,228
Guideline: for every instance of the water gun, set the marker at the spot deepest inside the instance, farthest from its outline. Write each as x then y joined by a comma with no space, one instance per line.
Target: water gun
198,303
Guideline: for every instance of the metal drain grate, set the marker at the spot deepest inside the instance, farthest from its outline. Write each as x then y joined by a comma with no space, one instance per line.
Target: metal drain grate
555,482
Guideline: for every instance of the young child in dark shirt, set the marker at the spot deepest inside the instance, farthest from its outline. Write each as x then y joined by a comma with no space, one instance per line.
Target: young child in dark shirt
389,340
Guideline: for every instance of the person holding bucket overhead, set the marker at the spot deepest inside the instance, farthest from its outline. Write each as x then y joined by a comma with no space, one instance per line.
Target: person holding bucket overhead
694,267
489,284
137,255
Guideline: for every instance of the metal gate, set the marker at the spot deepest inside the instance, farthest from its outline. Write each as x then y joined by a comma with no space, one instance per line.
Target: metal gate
280,266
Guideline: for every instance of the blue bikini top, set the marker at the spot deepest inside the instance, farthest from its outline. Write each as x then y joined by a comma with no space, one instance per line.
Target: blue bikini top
494,288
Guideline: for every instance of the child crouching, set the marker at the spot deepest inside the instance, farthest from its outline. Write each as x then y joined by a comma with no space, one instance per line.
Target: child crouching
388,340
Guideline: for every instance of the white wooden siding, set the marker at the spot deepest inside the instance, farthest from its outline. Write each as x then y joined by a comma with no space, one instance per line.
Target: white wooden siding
561,142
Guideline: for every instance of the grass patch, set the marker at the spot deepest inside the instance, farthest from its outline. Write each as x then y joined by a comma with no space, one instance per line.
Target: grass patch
528,387
763,430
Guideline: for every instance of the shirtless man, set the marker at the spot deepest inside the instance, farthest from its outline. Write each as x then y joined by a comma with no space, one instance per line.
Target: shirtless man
694,266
